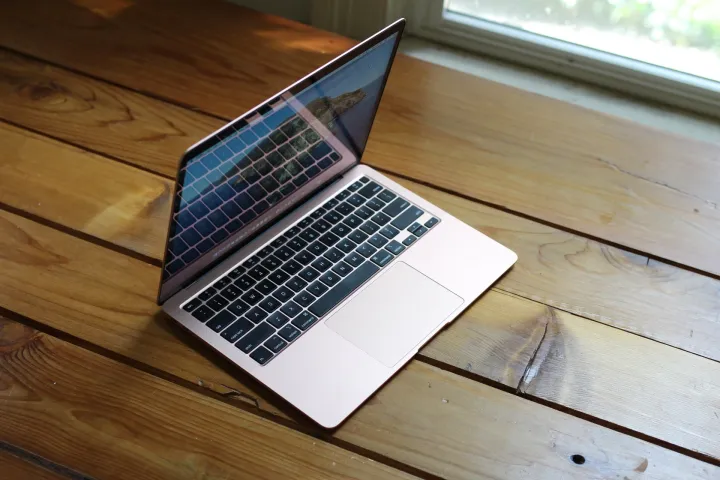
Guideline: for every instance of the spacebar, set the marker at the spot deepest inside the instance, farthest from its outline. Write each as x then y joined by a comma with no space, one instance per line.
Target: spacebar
340,291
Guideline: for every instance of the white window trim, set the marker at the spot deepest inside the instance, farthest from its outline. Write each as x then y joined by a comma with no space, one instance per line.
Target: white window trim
426,19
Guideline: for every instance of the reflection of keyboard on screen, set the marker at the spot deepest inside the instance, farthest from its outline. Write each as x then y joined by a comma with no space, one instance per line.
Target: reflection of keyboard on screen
241,178
268,301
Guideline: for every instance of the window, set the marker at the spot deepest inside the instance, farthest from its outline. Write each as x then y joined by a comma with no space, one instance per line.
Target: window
668,50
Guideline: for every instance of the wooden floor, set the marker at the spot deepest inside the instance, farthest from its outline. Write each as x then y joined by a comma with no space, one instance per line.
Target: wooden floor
596,356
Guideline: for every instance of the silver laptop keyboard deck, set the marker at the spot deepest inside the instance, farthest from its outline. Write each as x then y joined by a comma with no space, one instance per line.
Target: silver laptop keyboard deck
272,298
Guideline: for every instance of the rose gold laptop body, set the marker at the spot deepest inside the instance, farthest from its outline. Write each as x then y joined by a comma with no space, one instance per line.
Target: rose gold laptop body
354,349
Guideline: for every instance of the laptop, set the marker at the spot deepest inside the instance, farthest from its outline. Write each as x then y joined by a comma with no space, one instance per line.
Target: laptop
315,274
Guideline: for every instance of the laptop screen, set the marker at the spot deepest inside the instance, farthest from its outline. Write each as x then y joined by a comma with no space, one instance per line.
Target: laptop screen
247,175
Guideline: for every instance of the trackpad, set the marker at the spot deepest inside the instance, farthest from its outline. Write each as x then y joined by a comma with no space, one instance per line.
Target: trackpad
395,313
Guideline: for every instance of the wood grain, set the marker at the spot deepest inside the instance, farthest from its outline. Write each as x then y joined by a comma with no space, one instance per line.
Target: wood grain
629,381
425,417
85,192
557,268
14,468
588,172
112,421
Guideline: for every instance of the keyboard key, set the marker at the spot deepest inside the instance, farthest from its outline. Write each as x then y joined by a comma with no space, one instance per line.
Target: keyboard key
317,288
217,303
304,298
344,209
231,292
251,297
358,236
261,355
332,217
256,336
309,235
270,304
342,269
342,195
419,232
236,272
337,294
317,248
304,257
355,200
366,250
375,204
289,333
355,186
413,227
309,274
203,313
245,282
378,241
332,203
364,212
382,258
278,277
432,222
278,319
407,217
283,294
346,245
222,283
322,226
265,252
369,227
239,308
352,221
292,267
340,230
256,315
258,272
291,232
370,189
192,305
305,222
291,309
386,196
296,284
237,330
318,213
221,320
380,218
251,262
207,294
275,344
297,244
364,180
333,255
284,253
409,240
394,247
304,320
389,231
329,278
355,259
271,262
321,264
329,239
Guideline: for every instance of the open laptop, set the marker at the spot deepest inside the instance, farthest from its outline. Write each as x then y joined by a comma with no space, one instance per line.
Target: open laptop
317,275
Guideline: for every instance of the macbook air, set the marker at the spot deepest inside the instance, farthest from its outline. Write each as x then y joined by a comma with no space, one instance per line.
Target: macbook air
315,274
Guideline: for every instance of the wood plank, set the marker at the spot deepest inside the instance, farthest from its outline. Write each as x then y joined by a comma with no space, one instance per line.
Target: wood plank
108,200
557,268
425,417
629,381
14,468
609,178
112,421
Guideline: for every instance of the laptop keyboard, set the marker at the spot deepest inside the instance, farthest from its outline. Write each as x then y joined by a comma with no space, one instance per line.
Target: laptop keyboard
272,298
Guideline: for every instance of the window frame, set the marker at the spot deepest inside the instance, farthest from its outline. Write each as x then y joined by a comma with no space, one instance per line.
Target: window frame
428,19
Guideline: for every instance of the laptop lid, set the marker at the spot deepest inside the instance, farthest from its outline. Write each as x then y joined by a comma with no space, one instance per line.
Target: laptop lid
241,179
